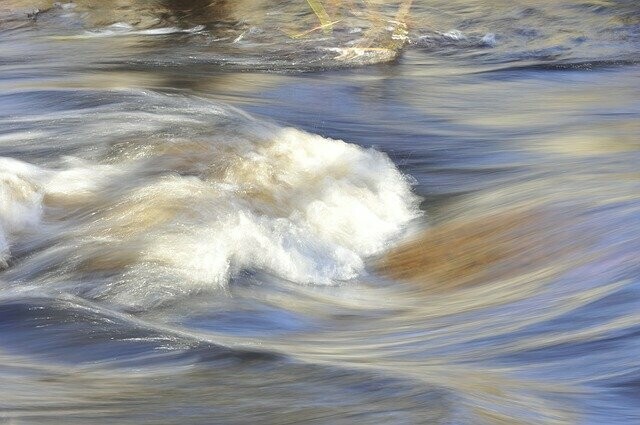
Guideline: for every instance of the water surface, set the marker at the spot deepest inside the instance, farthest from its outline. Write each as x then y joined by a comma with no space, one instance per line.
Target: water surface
209,215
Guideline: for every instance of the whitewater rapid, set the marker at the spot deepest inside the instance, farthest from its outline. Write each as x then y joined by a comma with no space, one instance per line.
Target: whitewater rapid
158,215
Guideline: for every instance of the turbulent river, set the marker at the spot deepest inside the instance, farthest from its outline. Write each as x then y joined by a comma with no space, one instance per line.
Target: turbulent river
424,212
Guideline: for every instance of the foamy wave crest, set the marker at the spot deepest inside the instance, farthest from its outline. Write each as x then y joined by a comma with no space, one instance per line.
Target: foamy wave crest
156,218
20,203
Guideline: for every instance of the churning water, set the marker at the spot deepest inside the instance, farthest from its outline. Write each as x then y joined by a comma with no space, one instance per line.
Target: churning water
223,212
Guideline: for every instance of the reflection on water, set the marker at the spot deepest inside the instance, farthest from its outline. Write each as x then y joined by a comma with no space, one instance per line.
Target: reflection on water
185,238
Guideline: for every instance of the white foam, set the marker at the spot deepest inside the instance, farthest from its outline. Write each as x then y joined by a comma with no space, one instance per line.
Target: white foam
489,40
455,35
121,28
20,202
295,205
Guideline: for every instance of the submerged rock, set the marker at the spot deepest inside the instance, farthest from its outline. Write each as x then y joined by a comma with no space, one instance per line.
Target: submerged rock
465,252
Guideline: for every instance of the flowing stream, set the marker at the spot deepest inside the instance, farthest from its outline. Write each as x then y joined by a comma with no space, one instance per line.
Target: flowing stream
420,212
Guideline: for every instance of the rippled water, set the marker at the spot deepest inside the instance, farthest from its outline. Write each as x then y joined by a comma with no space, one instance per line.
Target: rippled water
186,238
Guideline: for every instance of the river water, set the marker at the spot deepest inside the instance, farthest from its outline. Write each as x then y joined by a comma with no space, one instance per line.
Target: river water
224,214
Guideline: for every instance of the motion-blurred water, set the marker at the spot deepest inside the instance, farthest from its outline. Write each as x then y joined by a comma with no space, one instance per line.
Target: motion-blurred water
185,238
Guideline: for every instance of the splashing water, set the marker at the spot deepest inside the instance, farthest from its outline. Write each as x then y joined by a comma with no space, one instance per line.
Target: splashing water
201,208
211,212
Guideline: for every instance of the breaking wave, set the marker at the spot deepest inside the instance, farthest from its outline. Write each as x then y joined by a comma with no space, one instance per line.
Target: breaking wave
149,212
